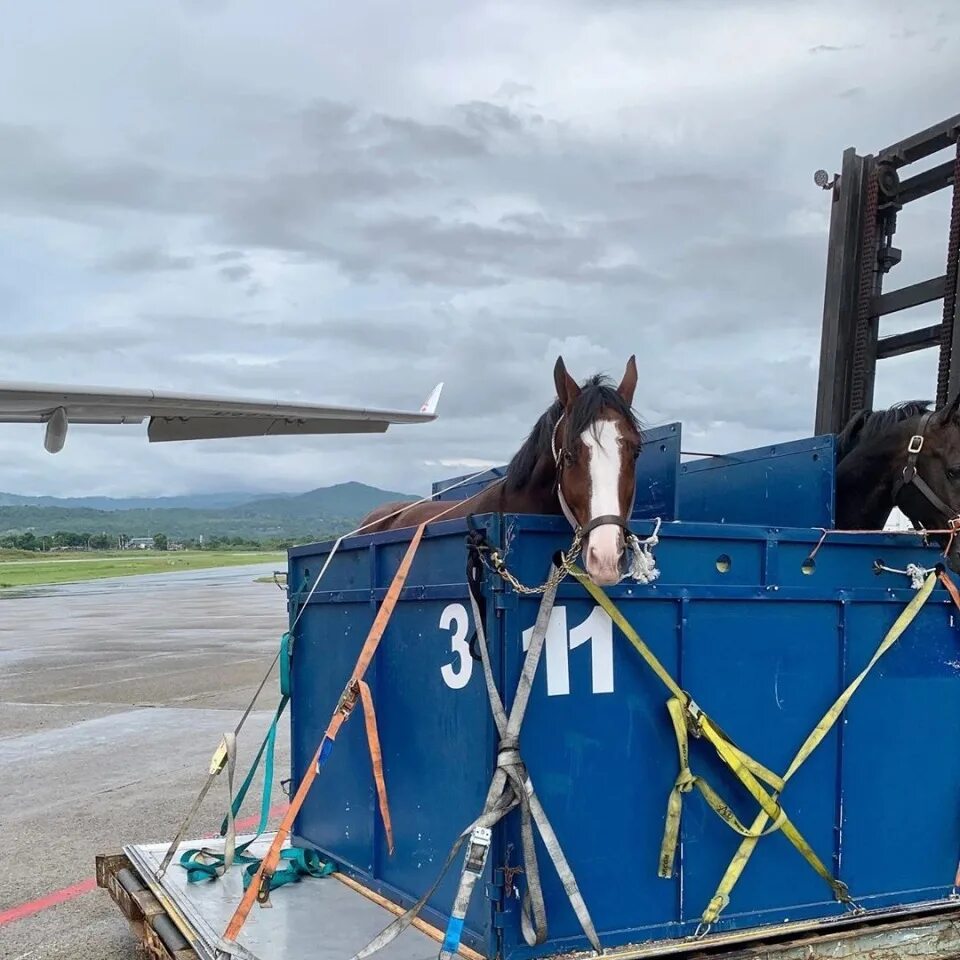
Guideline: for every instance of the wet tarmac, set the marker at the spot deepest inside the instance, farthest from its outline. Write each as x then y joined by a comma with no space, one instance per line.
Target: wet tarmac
113,696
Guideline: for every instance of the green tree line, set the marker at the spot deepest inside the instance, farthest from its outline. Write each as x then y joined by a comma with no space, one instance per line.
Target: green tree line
70,540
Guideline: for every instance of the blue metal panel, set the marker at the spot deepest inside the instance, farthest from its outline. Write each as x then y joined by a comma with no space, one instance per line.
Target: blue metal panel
787,485
423,642
900,781
656,476
762,639
456,489
326,646
658,469
786,654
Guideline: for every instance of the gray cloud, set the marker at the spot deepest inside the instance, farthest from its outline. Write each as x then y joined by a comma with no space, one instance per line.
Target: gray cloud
830,48
461,195
145,260
39,174
69,344
236,272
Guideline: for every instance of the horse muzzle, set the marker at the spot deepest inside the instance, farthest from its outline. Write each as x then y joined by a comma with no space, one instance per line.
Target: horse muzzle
604,541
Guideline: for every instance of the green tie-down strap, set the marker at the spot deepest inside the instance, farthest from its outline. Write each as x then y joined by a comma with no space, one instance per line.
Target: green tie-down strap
300,863
285,654
269,742
202,864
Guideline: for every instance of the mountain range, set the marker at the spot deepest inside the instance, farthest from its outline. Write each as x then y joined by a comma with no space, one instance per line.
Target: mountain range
316,514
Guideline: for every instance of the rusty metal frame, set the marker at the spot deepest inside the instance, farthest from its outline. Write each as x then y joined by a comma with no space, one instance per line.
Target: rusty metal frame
150,922
867,195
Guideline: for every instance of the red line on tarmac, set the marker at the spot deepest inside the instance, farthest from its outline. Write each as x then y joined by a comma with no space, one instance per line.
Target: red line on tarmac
28,909
50,900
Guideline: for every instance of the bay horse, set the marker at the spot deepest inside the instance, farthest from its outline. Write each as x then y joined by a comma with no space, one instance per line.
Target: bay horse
907,456
579,461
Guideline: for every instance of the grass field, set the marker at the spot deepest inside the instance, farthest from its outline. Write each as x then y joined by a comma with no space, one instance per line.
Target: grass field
19,568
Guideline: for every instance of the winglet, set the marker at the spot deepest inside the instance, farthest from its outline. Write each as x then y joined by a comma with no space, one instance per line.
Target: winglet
430,405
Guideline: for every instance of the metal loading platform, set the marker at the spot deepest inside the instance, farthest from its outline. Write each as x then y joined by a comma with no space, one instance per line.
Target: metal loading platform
330,918
317,918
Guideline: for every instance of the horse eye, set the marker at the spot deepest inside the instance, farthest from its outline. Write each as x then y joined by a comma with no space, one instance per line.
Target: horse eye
953,473
568,458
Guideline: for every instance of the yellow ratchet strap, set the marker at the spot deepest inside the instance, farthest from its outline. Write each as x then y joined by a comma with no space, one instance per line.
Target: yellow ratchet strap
747,770
722,897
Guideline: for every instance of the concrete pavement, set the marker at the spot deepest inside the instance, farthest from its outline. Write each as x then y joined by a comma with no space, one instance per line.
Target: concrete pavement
113,695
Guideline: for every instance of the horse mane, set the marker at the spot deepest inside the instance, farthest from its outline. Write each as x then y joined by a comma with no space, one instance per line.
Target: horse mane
867,424
595,394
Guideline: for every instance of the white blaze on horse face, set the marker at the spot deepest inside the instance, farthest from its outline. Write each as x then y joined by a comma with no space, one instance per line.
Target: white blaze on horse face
604,544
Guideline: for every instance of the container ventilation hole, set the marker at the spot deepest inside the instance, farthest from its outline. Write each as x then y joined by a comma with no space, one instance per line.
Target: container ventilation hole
723,563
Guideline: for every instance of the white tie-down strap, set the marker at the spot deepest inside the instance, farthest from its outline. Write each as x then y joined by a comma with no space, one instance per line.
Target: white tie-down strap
510,789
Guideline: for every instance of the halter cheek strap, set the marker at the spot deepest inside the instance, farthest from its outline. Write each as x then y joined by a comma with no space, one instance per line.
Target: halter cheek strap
910,475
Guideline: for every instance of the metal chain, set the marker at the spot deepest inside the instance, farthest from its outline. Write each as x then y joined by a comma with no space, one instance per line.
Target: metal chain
950,293
497,565
868,267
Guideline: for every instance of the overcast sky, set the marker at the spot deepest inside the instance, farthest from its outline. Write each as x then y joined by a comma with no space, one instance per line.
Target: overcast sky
350,202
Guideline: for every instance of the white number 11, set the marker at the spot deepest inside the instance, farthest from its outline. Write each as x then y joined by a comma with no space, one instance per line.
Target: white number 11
598,627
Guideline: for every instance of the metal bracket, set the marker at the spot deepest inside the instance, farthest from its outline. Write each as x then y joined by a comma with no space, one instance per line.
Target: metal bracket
477,851
263,891
348,699
916,444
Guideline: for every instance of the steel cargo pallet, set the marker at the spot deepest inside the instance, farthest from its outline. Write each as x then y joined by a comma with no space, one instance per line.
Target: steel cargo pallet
174,920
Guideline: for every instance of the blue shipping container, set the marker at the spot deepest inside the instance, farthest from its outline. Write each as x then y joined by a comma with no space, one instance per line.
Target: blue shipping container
764,641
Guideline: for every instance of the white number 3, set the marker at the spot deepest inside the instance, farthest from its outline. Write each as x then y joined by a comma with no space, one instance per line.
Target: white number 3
455,615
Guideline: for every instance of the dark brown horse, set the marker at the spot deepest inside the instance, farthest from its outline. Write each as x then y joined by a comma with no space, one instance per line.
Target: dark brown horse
579,461
908,457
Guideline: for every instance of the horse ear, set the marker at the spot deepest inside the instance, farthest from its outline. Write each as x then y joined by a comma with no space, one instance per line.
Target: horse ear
629,382
567,389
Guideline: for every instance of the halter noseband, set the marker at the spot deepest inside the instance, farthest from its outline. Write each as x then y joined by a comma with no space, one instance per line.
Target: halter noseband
603,520
911,475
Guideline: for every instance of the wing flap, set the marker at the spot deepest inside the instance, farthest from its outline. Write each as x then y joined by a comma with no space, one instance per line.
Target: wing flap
162,429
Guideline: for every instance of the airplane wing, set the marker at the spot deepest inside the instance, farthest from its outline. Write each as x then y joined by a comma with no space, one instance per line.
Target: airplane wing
174,416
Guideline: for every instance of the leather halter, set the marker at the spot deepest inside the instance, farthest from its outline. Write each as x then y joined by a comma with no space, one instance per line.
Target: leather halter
600,521
911,475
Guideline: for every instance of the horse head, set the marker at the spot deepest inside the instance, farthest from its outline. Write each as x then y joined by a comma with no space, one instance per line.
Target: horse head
927,489
906,457
595,444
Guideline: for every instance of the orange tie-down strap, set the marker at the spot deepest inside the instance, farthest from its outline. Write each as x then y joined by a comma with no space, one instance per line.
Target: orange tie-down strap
355,689
376,759
951,587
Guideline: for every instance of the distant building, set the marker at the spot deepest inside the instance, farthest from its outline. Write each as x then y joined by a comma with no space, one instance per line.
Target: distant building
139,543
